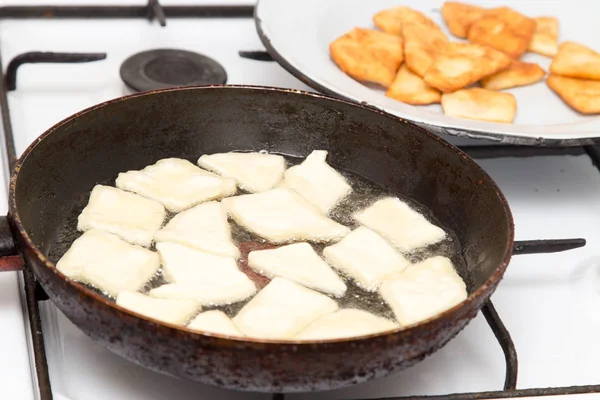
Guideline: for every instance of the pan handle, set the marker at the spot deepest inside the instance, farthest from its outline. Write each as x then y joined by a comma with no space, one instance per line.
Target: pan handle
9,259
546,246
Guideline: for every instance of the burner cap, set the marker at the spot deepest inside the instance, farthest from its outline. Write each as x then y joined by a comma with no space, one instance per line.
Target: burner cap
164,68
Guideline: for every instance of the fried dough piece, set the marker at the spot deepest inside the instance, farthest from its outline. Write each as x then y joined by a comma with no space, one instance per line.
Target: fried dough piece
421,46
298,262
347,322
132,217
368,55
280,215
503,29
214,321
480,104
281,310
172,311
392,19
576,61
583,95
518,74
397,222
410,88
463,64
317,182
460,16
424,290
545,37
109,263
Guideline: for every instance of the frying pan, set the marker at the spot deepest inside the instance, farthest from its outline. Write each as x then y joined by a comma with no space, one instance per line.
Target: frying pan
55,174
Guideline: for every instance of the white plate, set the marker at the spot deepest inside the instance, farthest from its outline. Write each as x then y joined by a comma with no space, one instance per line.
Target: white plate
297,34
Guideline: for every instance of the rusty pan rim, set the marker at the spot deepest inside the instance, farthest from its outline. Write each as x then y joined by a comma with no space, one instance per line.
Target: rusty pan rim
414,329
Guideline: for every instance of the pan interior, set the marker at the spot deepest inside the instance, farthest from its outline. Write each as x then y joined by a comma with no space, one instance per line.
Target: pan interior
57,176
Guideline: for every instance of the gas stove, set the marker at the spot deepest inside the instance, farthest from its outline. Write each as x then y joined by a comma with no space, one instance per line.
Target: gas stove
539,334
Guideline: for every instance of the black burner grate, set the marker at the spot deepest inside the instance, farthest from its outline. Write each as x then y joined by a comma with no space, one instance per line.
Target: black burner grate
192,68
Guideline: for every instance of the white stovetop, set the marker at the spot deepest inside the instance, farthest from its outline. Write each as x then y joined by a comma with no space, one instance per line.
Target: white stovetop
549,303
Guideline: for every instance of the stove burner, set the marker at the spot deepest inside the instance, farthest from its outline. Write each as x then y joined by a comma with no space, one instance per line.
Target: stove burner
164,68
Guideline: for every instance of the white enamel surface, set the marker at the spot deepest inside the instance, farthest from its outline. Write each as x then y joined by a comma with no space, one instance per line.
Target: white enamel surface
545,300
540,112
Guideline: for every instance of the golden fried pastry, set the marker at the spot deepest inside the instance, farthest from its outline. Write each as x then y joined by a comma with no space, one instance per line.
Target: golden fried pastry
518,74
503,29
460,16
391,20
545,37
421,45
410,88
480,104
368,55
462,64
582,95
576,61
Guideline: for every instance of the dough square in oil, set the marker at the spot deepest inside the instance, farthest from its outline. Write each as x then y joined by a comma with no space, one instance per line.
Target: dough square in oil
253,172
317,182
203,227
345,323
281,310
108,263
176,183
366,257
424,290
172,311
215,321
134,218
404,227
300,263
280,215
209,278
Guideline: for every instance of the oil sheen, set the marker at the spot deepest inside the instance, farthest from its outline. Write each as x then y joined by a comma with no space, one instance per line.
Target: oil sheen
364,193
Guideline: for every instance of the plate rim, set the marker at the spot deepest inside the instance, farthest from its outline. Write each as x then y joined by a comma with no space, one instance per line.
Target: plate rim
513,139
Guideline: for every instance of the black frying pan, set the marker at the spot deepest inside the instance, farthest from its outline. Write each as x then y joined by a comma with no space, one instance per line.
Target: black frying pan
56,173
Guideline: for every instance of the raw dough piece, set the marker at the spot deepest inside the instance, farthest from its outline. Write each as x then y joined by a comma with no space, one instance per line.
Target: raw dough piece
424,290
366,257
345,323
176,183
172,311
214,321
253,172
299,263
398,223
108,263
132,217
280,215
203,227
281,310
196,274
317,182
